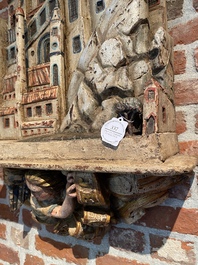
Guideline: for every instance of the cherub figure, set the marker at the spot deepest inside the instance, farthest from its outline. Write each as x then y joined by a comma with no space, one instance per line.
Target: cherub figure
52,195
56,199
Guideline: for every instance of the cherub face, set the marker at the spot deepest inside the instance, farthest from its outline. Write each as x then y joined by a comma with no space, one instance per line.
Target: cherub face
39,193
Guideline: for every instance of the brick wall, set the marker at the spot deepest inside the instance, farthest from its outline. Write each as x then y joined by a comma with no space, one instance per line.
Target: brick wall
167,234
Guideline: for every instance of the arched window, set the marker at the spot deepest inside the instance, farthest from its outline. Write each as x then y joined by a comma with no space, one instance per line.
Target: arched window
46,46
44,49
150,127
55,75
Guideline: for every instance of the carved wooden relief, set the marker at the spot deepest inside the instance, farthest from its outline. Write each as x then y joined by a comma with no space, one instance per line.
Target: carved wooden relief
71,70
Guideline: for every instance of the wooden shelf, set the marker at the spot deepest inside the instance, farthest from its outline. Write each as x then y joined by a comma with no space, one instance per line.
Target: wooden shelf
153,155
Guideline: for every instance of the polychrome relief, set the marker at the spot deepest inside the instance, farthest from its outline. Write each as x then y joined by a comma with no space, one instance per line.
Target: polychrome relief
71,86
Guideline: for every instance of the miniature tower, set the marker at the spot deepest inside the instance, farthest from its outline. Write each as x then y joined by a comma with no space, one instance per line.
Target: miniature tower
21,82
57,65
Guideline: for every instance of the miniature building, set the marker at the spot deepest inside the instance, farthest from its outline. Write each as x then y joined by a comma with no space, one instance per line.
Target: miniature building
45,40
71,67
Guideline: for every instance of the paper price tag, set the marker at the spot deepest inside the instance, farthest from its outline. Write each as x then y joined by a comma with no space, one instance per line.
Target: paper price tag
113,131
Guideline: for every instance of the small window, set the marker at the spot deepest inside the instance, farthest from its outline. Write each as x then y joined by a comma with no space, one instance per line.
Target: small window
76,44
55,75
73,10
29,112
38,111
54,31
100,6
164,114
42,17
44,49
6,123
46,46
49,109
33,28
151,95
150,127
12,53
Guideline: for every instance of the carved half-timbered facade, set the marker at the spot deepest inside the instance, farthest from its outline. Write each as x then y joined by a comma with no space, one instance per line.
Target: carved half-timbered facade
50,51
44,43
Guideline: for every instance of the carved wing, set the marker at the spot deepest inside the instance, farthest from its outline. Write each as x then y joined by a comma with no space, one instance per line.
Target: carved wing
17,189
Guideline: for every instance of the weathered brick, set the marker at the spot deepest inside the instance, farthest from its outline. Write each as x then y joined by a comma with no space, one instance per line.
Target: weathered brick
189,148
172,250
29,220
180,122
3,4
20,238
127,239
179,62
111,260
2,231
180,33
9,255
180,220
76,254
32,260
6,214
174,9
196,58
2,191
195,5
186,92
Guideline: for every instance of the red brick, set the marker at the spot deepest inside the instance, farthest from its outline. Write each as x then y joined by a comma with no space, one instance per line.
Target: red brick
196,58
32,260
111,260
127,239
2,191
195,5
6,214
76,254
180,33
189,148
180,122
9,255
29,220
186,92
172,250
20,238
3,4
179,62
2,231
172,219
